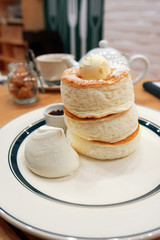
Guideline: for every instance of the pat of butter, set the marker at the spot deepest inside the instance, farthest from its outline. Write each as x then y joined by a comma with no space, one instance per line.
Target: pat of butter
94,67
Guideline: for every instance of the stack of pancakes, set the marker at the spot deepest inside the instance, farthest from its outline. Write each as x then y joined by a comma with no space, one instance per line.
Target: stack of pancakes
100,114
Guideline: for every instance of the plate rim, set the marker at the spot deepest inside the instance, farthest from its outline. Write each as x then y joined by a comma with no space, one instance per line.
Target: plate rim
150,234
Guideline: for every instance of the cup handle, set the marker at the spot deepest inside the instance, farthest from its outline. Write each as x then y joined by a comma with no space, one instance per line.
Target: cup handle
146,65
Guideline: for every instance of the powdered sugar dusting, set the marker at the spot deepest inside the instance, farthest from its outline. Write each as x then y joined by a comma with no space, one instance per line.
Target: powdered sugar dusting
118,69
71,76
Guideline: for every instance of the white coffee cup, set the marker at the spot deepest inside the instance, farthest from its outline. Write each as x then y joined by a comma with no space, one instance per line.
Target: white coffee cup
52,65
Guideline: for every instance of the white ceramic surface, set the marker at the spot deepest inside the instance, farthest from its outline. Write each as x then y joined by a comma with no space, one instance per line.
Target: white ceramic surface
53,86
113,56
54,120
52,65
102,200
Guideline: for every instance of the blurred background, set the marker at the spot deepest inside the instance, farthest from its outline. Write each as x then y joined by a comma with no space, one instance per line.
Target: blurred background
134,27
76,26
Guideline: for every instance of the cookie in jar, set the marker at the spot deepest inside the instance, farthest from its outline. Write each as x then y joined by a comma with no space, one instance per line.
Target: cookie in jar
22,83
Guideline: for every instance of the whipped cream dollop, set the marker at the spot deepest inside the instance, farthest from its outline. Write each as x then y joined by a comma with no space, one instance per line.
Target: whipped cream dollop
48,153
94,67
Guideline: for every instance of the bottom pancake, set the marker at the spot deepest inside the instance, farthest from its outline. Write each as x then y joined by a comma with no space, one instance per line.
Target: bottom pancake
104,150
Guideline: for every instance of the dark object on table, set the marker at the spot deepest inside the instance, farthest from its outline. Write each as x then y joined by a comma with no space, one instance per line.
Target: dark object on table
31,58
152,87
43,42
3,79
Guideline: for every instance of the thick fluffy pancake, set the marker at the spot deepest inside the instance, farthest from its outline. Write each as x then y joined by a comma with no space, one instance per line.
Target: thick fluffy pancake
112,128
97,98
102,150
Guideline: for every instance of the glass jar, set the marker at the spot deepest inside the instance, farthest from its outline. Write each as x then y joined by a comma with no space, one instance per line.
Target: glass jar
22,83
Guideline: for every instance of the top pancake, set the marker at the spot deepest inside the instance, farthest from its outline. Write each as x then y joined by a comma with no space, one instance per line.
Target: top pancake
72,76
97,98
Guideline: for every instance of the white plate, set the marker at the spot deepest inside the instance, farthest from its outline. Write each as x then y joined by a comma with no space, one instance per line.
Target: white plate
51,86
102,200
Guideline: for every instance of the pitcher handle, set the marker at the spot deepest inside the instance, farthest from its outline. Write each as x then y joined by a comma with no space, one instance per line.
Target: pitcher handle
146,65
